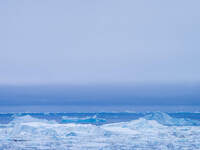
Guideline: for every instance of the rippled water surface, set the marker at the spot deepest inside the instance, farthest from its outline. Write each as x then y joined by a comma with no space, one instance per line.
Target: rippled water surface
100,131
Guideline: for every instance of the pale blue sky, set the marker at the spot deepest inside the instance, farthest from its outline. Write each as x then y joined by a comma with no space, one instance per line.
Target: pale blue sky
105,41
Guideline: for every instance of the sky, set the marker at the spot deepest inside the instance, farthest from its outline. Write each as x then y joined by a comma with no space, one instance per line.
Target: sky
105,52
95,42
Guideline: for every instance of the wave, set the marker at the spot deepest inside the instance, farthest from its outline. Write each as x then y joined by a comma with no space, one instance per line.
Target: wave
153,131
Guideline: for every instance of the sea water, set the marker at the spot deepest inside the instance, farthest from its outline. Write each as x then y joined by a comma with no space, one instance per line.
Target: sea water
100,131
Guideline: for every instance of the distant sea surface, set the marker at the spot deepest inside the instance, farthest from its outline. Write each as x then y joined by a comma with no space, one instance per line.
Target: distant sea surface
98,108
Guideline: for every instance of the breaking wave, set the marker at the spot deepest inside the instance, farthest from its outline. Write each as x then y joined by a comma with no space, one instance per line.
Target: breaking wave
153,131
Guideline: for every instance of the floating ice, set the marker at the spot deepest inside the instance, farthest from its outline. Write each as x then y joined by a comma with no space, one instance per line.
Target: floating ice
148,133
28,118
165,119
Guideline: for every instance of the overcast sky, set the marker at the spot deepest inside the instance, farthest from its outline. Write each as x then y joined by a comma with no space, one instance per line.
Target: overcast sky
104,41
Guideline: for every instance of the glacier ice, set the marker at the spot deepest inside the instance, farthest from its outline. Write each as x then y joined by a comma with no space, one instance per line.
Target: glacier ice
154,131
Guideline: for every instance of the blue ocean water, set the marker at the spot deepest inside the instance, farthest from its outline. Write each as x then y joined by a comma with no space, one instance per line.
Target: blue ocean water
100,131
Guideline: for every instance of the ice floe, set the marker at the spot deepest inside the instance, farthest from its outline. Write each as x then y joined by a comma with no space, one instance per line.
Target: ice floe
155,131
